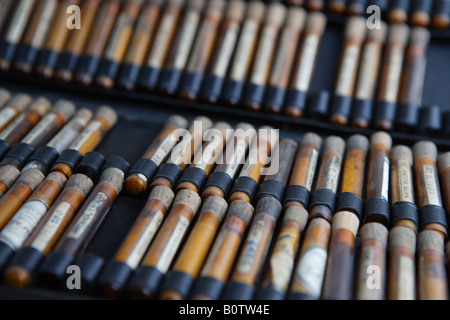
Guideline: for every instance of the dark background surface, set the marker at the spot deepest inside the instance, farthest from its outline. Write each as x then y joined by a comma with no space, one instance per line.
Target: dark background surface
142,116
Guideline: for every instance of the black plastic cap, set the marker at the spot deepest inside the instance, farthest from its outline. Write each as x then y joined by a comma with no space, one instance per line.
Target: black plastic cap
232,92
6,252
21,152
48,58
115,275
90,267
45,155
67,61
148,79
170,80
26,54
4,148
269,293
238,291
296,99
52,272
191,84
118,162
28,258
319,104
430,119
208,287
7,50
128,76
88,65
108,68
70,157
212,89
147,279
91,165
408,116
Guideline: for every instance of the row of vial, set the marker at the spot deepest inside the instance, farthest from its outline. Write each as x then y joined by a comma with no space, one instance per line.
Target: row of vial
354,218
423,13
257,56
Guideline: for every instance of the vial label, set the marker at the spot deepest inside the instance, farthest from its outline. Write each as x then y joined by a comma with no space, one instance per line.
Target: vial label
311,269
307,61
251,246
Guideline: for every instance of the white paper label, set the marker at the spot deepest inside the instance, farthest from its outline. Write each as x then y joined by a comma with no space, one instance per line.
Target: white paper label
115,36
394,74
86,134
23,223
242,57
366,72
172,244
311,269
39,128
349,65
311,169
333,173
20,19
87,216
431,185
147,236
164,149
263,55
6,114
385,186
406,279
186,39
405,181
162,39
282,262
251,246
51,226
13,125
226,51
306,65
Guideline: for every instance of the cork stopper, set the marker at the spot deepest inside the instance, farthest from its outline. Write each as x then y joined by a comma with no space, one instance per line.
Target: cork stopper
382,138
108,114
20,101
312,138
356,28
316,22
420,37
276,14
236,10
241,209
334,144
296,17
425,149
358,141
399,33
5,95
80,182
41,105
378,34
256,10
177,121
196,5
444,161
83,116
65,108
402,152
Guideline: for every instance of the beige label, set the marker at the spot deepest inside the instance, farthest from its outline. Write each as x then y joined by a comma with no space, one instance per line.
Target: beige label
23,223
161,43
218,243
92,127
405,181
366,76
164,149
7,131
186,39
39,128
394,74
87,216
51,226
20,18
282,262
238,158
306,65
429,179
333,173
310,173
310,270
283,48
144,241
385,185
44,25
263,54
226,50
172,244
243,51
119,27
347,70
251,246
63,139
6,114
406,279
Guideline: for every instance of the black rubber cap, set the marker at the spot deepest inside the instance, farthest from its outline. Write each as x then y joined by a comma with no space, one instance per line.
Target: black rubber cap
300,296
118,162
238,291
21,152
254,93
275,97
45,155
70,157
385,111
362,110
170,80
6,252
108,68
149,78
212,89
296,99
319,104
128,76
88,65
4,148
408,116
178,281
91,165
146,167
116,275
269,293
26,54
191,83
147,277
430,119
209,287
232,92
28,258
90,268
67,61
7,50
52,271
48,58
